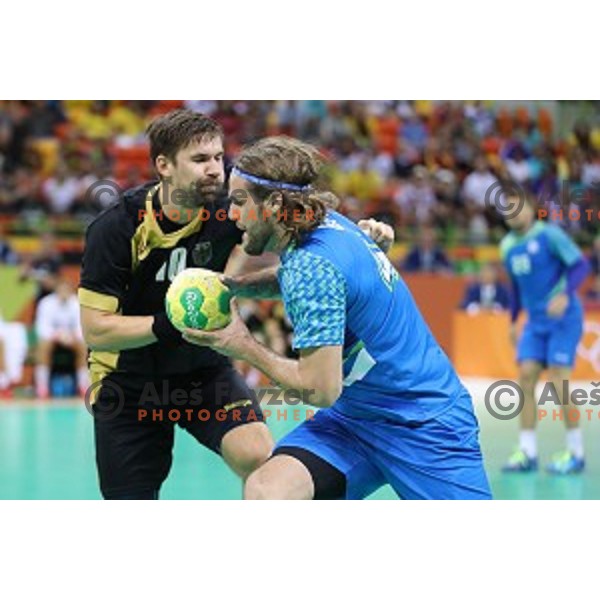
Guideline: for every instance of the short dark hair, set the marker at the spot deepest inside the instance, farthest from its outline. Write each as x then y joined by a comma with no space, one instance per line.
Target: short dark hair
176,129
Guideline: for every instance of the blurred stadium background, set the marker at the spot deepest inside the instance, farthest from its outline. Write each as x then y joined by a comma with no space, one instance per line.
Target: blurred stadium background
422,166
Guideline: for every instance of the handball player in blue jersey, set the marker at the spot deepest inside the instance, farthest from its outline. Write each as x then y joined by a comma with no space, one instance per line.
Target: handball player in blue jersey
392,409
546,268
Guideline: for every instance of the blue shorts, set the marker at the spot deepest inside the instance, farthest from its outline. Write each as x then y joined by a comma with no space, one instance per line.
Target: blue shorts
439,459
551,343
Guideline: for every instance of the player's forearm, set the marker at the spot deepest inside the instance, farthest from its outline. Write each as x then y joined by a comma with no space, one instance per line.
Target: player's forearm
116,332
514,300
261,284
289,375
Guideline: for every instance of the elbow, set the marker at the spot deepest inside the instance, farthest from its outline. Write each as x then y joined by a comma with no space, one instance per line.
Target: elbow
326,395
94,340
587,266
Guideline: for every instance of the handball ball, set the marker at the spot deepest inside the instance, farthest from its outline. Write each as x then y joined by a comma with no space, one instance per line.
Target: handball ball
197,299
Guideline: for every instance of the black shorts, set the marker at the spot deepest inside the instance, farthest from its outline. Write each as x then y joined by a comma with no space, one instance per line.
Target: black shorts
135,418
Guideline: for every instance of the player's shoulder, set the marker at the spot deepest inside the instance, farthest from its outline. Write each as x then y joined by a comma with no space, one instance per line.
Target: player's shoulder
309,262
508,242
124,215
331,237
306,273
551,230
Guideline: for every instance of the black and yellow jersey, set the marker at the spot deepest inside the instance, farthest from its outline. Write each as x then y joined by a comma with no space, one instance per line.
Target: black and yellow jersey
132,253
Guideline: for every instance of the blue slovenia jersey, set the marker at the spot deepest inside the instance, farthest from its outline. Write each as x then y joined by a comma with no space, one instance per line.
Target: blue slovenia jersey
339,288
538,262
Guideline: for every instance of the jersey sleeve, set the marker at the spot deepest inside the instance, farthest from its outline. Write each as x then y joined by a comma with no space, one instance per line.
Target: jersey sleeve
314,293
563,246
106,266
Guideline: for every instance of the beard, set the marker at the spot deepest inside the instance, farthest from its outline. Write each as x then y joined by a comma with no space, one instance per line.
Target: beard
254,245
200,193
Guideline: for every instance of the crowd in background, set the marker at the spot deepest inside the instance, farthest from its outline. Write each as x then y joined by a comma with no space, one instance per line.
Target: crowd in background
412,163
424,167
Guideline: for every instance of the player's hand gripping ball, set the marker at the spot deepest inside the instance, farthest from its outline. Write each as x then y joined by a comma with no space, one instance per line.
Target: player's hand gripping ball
197,299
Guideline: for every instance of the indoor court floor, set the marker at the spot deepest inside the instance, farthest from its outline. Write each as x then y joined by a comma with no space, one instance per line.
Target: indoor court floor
46,452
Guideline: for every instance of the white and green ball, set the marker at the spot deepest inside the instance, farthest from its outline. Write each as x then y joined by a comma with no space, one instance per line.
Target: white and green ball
197,299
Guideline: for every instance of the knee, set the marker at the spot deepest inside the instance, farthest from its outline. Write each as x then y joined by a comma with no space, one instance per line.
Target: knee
252,459
528,380
247,459
247,448
258,487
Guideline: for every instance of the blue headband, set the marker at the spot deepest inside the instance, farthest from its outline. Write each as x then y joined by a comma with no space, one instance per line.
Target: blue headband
277,185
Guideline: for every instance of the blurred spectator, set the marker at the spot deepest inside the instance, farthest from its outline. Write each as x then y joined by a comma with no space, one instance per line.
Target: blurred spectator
590,174
427,256
42,118
416,199
478,183
61,190
44,267
13,351
4,380
421,162
7,256
487,293
363,183
595,257
518,166
57,325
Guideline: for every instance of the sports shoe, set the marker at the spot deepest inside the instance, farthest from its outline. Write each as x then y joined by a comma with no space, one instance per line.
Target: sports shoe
565,463
519,462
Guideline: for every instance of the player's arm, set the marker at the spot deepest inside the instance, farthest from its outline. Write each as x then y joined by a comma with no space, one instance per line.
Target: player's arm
108,331
577,268
317,375
105,276
514,305
262,284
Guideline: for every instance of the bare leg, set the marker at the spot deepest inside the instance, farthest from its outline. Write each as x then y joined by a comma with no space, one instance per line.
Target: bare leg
246,448
529,376
42,368
280,478
570,412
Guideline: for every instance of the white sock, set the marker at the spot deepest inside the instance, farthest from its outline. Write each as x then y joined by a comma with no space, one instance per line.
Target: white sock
82,378
575,442
4,381
42,377
528,442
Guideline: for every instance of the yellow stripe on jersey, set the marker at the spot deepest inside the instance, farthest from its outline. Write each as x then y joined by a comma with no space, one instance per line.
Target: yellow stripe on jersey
149,235
96,300
101,363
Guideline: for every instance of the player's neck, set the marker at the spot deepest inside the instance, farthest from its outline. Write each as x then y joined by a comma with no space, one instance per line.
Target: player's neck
280,240
523,232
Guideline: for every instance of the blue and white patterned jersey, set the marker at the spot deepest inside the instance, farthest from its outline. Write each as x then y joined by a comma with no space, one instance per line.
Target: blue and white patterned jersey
538,262
339,288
